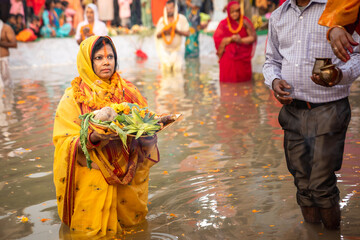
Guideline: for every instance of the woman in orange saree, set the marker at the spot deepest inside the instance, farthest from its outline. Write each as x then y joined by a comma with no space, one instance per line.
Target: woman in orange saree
114,193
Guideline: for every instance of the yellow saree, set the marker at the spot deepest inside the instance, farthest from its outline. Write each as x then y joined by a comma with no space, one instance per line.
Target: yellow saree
341,12
99,202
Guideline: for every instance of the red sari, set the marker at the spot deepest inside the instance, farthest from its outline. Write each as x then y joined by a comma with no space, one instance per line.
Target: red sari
235,63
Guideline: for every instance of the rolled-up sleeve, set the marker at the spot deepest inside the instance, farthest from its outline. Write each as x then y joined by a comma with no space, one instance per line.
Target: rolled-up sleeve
272,66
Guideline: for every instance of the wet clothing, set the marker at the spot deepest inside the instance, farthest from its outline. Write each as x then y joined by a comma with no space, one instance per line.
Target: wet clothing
315,123
342,12
169,49
99,202
235,62
314,145
192,42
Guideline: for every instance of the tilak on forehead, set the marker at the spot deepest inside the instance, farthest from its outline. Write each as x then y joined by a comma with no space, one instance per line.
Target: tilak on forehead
105,49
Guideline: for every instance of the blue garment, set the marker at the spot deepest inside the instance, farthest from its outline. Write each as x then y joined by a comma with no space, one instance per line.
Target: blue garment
51,22
295,39
192,42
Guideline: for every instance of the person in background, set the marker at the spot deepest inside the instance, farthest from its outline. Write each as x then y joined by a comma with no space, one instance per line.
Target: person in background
343,18
207,7
235,40
58,8
17,7
247,7
7,40
193,17
52,26
91,25
170,29
125,12
106,11
35,25
146,17
136,12
19,23
314,118
5,6
12,22
68,12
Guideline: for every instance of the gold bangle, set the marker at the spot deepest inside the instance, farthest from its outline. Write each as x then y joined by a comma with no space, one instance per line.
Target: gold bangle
331,28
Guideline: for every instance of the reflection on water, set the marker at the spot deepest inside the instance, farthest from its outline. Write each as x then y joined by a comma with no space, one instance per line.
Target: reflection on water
222,173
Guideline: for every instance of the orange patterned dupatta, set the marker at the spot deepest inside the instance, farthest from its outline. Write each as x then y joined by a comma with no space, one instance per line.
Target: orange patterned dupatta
342,12
89,93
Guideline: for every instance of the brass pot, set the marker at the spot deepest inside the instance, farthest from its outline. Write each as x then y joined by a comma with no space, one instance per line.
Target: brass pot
330,75
319,63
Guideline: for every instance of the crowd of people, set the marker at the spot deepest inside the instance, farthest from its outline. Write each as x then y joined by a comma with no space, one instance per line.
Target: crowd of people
315,113
60,18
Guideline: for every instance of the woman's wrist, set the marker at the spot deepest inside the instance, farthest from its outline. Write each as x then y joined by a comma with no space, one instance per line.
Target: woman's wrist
330,29
93,141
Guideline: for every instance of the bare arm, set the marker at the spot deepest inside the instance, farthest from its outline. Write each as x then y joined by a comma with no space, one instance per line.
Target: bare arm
250,39
11,38
221,49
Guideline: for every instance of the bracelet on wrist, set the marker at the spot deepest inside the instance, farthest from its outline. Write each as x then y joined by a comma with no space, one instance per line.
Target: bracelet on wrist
331,28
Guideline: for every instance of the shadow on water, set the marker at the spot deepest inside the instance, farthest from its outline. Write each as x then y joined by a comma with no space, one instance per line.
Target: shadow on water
222,173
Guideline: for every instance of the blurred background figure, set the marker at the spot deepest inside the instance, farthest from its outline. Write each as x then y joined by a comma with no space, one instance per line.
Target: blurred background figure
17,7
106,11
125,12
193,17
5,6
146,16
91,25
7,40
136,12
52,25
169,31
235,40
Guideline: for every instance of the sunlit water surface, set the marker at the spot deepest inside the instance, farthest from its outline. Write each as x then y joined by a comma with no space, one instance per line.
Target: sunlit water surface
222,173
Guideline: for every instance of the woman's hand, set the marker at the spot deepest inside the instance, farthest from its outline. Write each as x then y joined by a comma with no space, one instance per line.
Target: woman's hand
341,42
236,38
96,137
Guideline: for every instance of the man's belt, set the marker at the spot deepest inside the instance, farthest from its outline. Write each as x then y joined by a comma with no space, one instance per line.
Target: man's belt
308,105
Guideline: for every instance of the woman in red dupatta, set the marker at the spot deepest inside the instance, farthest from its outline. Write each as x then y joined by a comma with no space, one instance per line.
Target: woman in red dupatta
235,40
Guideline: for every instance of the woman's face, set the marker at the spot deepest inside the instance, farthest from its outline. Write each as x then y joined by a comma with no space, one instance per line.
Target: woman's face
90,15
235,12
104,62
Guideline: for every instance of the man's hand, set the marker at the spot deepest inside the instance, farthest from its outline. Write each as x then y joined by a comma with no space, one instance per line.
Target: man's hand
341,41
281,95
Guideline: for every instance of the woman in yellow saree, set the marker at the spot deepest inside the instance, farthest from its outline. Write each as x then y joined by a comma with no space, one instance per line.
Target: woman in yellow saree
114,193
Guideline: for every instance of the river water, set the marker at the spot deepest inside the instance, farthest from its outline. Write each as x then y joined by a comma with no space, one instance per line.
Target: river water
222,173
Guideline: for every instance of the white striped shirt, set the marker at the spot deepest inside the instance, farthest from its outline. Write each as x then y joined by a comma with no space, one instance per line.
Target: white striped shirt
295,39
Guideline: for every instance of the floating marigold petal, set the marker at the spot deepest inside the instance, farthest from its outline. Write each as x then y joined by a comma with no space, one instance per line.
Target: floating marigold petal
45,219
165,173
255,211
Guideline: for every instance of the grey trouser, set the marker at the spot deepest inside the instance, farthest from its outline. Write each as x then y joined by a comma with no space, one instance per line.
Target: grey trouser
314,145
